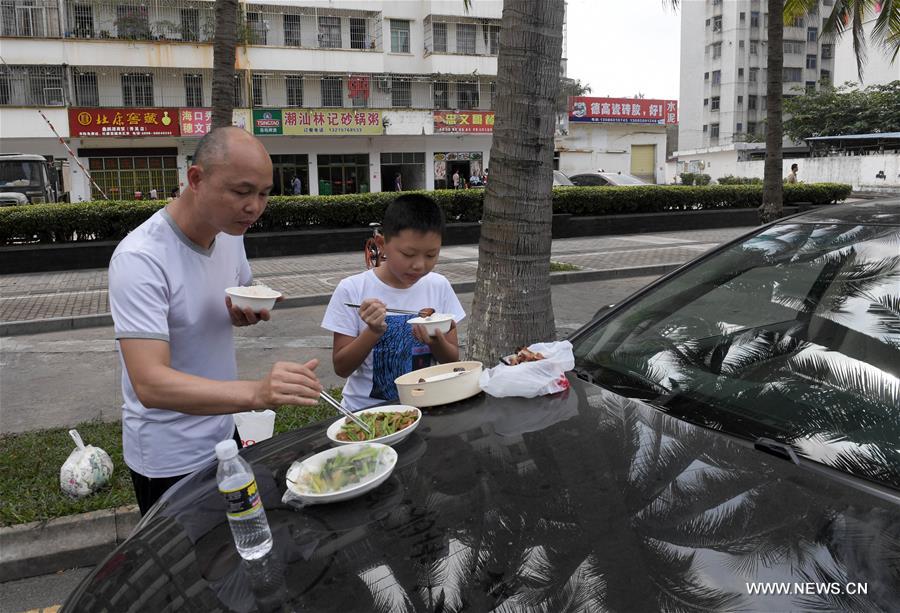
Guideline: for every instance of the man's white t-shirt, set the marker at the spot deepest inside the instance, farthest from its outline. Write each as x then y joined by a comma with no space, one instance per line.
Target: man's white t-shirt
397,351
164,286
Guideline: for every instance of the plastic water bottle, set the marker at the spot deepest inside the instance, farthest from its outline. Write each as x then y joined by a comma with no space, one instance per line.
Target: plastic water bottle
244,508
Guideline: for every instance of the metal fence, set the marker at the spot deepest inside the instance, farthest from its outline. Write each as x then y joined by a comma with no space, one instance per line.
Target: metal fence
176,20
33,86
106,86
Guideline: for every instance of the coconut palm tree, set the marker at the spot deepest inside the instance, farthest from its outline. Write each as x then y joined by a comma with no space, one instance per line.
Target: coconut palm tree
512,304
224,47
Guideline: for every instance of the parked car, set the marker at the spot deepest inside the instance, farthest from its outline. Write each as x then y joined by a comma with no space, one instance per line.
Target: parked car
596,179
560,179
729,441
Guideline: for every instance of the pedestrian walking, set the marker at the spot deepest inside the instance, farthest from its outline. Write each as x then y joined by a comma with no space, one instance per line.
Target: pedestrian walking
173,321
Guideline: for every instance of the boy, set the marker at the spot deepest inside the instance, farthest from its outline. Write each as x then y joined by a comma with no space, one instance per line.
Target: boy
373,347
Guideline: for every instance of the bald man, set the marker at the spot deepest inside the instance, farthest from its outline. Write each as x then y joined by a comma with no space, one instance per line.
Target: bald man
173,321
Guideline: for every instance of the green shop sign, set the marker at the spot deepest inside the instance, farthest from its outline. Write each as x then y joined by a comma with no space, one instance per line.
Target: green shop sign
267,121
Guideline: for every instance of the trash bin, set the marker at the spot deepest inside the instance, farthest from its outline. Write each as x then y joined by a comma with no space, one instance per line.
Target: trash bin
324,187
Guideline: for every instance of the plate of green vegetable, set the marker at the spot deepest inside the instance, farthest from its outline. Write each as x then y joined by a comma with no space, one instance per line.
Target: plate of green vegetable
341,473
389,425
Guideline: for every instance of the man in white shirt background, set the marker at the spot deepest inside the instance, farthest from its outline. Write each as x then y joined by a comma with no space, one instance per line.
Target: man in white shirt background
173,322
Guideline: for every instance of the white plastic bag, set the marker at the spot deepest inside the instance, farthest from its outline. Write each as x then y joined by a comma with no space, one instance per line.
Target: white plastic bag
547,376
255,426
86,470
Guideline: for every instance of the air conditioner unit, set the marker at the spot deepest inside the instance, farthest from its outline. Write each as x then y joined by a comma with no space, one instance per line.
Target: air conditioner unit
383,84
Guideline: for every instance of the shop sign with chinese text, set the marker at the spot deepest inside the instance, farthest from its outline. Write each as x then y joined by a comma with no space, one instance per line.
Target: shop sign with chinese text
463,121
197,122
332,122
123,122
623,110
267,121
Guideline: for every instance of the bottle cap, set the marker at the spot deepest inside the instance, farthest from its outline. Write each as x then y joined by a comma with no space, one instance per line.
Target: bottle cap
227,449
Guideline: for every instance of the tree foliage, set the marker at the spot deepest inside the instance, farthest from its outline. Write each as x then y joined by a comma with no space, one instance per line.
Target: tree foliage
834,111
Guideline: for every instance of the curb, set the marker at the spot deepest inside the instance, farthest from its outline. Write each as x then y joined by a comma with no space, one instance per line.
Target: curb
59,324
43,547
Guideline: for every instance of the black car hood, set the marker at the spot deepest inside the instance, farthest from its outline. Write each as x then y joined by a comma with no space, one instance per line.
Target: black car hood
582,501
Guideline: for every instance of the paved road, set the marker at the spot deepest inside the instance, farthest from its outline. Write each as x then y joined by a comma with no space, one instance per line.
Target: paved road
40,296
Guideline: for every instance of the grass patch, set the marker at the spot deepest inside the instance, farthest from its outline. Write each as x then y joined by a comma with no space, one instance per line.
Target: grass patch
562,267
30,463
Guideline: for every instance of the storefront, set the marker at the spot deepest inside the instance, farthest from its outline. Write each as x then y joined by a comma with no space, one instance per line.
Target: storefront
408,167
466,163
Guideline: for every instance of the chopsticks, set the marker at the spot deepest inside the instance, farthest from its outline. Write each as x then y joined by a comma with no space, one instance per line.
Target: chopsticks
402,312
337,405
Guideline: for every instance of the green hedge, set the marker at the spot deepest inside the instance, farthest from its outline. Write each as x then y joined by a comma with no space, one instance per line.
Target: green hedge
732,180
113,219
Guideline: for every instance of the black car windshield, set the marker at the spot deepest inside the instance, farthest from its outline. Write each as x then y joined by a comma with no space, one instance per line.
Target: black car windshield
792,334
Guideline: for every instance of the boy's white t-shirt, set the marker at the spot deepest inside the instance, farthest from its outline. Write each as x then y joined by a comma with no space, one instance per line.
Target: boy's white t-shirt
397,351
164,286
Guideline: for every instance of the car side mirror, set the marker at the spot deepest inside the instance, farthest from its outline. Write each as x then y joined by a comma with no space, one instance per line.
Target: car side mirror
602,311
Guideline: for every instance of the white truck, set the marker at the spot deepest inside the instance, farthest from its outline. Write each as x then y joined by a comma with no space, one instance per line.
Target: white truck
26,179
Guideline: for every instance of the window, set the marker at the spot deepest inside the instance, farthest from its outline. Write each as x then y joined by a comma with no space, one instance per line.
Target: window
793,46
716,77
717,23
706,102
359,33
132,22
754,19
493,35
751,102
292,31
465,38
740,101
238,90
401,94
812,34
193,90
740,44
792,75
493,93
83,16
439,34
740,73
811,61
332,91
797,22
739,127
86,91
256,29
716,50
190,24
706,76
344,174
705,128
751,127
810,87
399,36
293,84
753,75
825,77
827,52
442,94
714,130
754,47
742,17
259,90
330,32
467,95
714,103
137,89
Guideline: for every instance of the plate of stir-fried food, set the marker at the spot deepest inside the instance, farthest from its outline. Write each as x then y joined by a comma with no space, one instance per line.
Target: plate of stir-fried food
388,424
340,473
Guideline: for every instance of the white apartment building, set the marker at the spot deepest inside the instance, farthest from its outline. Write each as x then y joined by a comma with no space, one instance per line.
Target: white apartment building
345,94
723,77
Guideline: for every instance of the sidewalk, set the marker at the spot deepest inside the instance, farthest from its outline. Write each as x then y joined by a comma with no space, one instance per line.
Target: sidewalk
45,302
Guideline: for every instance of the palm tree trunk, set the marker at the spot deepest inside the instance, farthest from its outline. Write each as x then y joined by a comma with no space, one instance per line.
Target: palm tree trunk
224,46
512,305
772,208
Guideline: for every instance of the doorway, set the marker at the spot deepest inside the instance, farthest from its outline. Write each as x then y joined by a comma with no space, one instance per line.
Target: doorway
284,169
